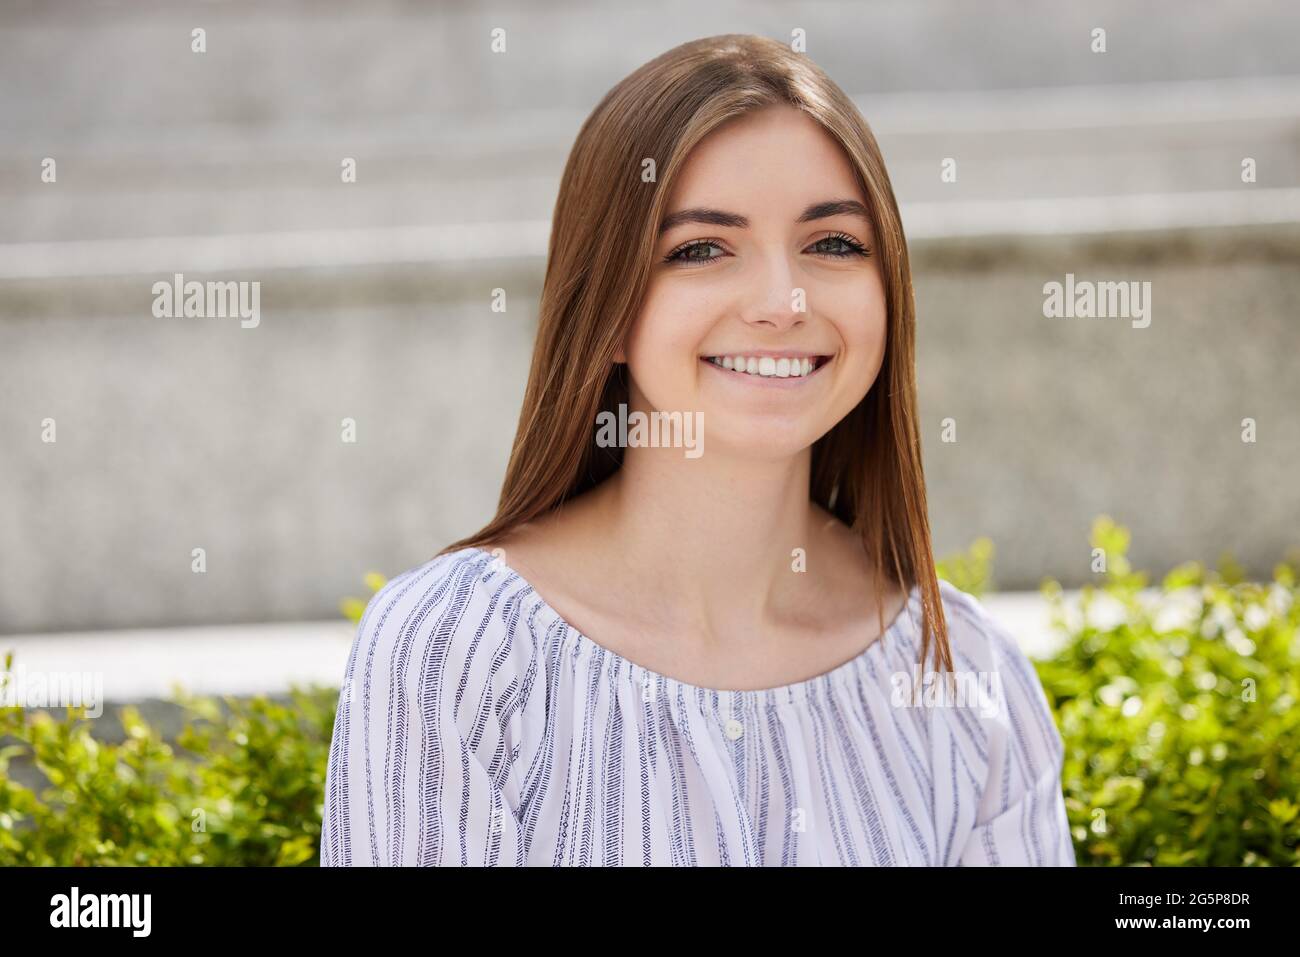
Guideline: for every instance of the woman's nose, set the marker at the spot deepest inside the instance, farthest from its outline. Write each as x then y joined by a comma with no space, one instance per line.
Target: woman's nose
773,299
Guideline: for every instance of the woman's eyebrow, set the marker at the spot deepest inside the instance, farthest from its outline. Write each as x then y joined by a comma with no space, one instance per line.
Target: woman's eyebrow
718,217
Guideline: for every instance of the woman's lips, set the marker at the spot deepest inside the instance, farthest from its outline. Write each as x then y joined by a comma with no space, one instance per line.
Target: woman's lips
789,369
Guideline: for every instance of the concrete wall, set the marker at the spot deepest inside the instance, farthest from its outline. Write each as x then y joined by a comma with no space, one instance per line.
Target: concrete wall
175,434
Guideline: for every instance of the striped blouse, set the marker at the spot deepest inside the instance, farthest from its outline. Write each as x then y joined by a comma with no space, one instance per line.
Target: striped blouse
476,727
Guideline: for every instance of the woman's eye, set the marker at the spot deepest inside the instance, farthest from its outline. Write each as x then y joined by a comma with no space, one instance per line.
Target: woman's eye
694,252
838,246
705,250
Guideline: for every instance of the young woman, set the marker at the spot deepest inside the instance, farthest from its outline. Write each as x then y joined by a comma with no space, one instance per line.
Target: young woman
675,652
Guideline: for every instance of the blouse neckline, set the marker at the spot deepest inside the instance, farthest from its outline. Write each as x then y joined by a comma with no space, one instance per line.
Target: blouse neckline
640,675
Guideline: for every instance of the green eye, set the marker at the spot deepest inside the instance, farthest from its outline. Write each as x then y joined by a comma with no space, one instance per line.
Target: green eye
841,246
687,253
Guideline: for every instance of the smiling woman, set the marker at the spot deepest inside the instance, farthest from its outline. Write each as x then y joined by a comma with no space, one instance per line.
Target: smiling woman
650,658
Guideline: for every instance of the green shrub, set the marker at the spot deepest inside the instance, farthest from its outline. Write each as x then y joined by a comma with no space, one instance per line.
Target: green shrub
243,785
1181,740
1179,714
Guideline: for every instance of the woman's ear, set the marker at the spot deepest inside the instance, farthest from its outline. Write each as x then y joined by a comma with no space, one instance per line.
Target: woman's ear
620,356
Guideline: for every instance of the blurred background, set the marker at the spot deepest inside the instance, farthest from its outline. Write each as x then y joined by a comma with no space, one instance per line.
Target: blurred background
175,434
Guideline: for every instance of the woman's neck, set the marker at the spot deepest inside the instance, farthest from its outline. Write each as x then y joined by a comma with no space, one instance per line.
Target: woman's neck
717,533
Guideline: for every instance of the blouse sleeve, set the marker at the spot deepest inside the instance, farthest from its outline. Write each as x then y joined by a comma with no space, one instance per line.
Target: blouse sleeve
423,767
1021,819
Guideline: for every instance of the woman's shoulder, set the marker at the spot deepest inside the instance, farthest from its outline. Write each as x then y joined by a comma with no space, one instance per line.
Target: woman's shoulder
988,657
994,742
460,615
440,718
977,639
1001,730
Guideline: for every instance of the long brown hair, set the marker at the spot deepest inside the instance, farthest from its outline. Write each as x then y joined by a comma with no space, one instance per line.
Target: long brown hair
867,469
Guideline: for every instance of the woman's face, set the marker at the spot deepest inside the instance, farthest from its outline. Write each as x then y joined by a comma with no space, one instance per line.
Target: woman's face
765,309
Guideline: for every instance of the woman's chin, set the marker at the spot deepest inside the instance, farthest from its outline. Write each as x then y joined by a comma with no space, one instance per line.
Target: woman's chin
758,441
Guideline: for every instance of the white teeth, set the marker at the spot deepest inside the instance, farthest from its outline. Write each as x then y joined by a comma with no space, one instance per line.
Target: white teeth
766,366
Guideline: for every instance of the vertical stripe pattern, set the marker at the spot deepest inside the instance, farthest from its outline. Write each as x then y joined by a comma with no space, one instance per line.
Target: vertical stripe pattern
477,728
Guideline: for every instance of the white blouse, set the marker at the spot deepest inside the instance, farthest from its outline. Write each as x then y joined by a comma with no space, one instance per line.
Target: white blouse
476,727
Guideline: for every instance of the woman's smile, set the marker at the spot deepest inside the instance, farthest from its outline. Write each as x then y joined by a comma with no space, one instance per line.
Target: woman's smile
768,369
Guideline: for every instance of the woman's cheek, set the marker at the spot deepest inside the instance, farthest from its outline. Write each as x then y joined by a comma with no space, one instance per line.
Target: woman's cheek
666,341
657,361
861,327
